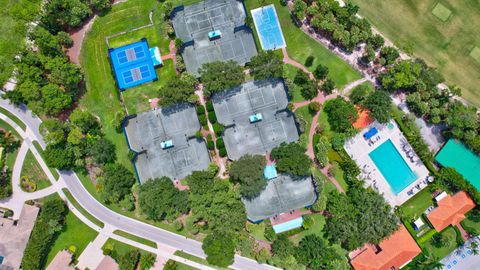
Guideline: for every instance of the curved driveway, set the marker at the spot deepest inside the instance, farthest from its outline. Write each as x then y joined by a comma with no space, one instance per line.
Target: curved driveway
114,219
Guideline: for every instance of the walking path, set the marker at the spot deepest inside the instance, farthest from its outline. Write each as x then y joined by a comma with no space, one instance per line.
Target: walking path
289,61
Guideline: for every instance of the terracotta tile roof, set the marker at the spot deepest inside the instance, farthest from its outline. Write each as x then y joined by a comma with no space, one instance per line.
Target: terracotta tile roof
451,210
363,118
394,251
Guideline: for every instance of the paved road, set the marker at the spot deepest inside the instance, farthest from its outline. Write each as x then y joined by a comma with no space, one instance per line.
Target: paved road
114,219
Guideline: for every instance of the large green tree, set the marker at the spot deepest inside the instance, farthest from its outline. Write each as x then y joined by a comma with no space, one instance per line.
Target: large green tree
219,247
341,114
266,65
103,151
159,199
379,104
116,183
220,76
291,158
315,253
177,89
248,172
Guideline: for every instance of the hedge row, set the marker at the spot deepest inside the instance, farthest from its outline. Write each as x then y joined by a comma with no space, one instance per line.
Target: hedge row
49,221
221,147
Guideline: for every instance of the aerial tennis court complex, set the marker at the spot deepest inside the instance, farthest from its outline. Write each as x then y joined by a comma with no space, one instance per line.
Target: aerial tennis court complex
165,143
133,64
268,28
282,194
255,117
213,30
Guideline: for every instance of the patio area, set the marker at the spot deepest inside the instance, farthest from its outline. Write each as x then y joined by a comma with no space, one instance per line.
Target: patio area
370,138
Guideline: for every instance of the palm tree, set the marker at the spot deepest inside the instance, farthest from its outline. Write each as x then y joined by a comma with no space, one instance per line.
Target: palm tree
474,247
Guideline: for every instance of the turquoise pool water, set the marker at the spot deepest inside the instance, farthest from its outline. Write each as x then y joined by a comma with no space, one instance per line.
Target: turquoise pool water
289,225
392,166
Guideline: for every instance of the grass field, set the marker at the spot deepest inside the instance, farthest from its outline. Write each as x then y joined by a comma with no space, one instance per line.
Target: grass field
34,171
306,115
446,45
121,248
75,233
415,206
441,252
13,17
300,46
136,238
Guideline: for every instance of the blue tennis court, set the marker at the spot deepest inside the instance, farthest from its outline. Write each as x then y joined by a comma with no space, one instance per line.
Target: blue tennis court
268,28
132,64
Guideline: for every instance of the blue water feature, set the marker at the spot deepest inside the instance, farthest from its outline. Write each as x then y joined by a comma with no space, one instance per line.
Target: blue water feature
392,166
289,225
268,28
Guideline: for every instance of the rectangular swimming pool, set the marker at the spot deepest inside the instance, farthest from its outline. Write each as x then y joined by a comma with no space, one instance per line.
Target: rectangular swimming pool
268,28
392,166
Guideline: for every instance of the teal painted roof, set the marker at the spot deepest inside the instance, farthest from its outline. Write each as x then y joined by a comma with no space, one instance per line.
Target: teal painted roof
270,172
454,154
289,225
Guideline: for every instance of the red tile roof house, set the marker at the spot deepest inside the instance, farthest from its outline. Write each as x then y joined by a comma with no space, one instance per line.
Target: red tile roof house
392,253
451,210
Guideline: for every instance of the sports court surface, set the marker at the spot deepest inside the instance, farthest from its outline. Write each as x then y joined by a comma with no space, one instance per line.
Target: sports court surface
193,24
268,28
282,194
132,64
145,133
234,108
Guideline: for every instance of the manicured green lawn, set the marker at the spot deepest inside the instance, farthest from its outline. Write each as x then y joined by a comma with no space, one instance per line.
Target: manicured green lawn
197,259
300,46
121,248
75,233
34,171
289,72
471,223
441,252
14,14
445,45
136,238
414,207
257,230
81,209
305,113
13,118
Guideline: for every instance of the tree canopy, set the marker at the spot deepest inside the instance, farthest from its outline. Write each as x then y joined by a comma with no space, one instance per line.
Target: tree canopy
341,114
291,158
265,65
219,247
380,105
220,76
177,90
116,183
315,253
159,199
103,151
248,172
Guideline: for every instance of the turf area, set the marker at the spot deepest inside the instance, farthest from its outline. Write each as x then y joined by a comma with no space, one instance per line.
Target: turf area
411,25
300,46
305,114
451,245
13,18
415,206
75,233
136,238
32,169
475,54
441,12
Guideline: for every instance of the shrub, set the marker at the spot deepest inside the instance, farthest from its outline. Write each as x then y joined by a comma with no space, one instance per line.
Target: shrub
178,225
315,106
309,61
210,145
222,152
220,143
210,106
218,128
200,110
202,119
320,72
212,117
269,233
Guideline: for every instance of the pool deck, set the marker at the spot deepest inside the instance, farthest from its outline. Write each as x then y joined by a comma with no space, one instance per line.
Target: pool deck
358,148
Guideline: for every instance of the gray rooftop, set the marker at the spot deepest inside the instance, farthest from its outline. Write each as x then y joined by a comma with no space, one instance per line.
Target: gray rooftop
193,23
178,123
282,194
234,107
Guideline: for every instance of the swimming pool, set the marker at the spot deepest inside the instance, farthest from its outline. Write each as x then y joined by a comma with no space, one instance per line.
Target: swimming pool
268,28
392,166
